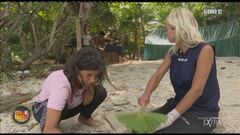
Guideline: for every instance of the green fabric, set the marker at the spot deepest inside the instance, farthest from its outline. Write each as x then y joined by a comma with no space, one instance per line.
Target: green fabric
225,37
227,47
152,52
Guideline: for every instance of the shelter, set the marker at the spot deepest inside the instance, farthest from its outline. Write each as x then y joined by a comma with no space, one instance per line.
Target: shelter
225,37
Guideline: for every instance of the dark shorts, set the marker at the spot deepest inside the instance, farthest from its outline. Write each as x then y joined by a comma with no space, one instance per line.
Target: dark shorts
114,48
188,122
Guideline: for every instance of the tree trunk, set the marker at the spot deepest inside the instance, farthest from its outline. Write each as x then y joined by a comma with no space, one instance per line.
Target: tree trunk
12,26
135,42
143,30
83,15
6,58
42,52
23,39
14,23
86,10
4,38
78,27
36,43
50,45
78,33
3,14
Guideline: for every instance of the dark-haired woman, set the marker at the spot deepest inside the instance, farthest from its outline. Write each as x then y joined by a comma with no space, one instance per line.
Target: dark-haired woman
77,89
87,40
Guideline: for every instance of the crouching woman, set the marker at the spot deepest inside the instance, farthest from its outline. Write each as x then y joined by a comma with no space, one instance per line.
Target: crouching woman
76,89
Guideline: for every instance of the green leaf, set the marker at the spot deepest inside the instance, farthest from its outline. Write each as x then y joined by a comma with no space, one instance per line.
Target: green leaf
141,122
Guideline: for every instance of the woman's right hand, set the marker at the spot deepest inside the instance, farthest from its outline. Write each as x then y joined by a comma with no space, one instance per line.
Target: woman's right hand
88,95
144,100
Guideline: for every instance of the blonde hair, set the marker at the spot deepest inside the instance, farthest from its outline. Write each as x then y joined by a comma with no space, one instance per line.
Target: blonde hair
186,28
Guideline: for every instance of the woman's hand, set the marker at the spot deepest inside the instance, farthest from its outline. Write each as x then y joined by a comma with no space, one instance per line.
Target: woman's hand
171,117
144,100
88,95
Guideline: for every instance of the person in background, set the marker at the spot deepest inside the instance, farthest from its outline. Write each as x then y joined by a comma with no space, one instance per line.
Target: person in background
87,40
99,40
113,44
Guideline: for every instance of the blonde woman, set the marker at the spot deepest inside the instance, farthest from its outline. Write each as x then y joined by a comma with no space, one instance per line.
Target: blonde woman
193,74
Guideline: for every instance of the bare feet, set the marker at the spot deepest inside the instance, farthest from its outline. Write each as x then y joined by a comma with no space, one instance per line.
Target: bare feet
88,121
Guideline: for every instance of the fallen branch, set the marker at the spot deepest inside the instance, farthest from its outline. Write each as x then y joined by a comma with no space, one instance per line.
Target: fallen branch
8,102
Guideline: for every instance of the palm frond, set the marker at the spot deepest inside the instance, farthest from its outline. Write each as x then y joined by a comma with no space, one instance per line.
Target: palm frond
141,122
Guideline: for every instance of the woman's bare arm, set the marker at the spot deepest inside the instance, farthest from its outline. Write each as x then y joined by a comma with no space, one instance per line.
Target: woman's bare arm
52,121
158,75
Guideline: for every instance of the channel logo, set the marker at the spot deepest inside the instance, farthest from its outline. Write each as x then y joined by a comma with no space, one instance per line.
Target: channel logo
21,114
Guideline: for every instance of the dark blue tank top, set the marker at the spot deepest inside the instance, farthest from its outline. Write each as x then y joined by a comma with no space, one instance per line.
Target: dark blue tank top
182,69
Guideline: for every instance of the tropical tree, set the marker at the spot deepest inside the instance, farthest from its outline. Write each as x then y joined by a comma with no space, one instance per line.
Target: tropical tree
33,30
101,17
58,22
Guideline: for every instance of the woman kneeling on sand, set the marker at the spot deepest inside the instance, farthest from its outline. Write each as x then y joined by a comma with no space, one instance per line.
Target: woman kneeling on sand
77,89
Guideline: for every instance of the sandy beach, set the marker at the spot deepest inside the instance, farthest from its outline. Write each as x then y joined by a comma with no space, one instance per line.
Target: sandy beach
131,79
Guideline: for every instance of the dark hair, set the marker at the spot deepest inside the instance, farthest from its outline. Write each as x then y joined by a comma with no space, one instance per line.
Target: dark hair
85,28
87,58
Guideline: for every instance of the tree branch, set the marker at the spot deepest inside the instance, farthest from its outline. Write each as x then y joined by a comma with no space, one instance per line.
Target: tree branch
51,42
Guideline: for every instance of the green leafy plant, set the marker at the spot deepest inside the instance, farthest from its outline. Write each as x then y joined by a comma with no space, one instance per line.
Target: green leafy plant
4,77
141,122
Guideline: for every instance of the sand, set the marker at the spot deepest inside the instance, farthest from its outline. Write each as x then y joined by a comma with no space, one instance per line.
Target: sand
131,78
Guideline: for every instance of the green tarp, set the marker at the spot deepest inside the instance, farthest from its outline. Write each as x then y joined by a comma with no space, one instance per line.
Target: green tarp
225,37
